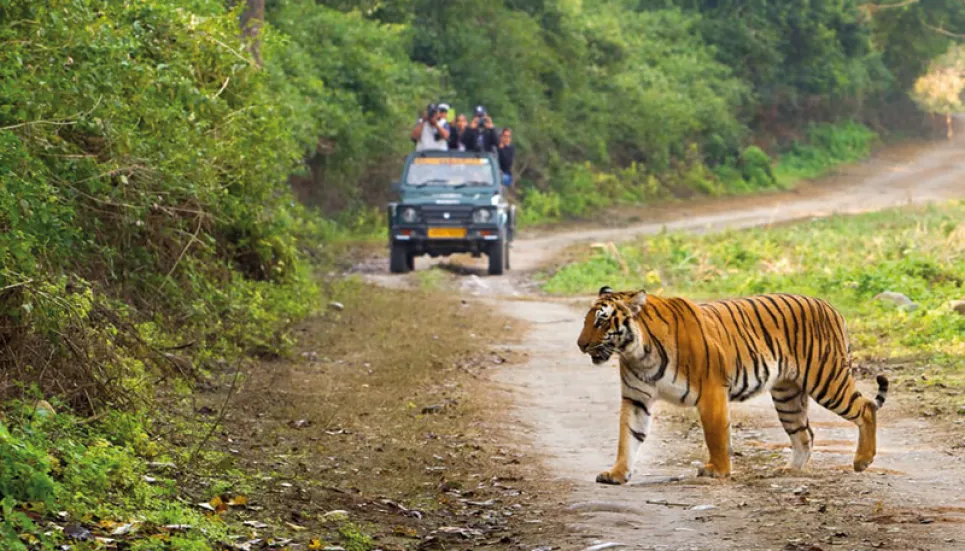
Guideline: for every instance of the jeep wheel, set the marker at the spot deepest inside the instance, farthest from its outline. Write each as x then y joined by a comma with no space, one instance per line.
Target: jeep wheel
410,261
497,257
399,259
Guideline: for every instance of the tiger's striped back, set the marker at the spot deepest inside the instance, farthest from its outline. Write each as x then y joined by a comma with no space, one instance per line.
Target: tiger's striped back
782,336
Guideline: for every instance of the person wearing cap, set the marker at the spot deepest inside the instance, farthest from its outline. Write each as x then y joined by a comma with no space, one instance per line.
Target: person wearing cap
444,111
429,133
482,127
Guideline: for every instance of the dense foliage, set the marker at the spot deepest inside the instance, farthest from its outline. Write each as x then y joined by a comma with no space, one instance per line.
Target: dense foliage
144,205
940,89
50,463
620,100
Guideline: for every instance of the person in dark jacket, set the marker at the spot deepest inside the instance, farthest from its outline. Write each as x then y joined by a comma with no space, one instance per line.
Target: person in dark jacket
506,152
462,138
485,133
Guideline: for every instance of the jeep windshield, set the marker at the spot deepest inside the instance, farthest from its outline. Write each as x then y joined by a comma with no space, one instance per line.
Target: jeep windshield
452,172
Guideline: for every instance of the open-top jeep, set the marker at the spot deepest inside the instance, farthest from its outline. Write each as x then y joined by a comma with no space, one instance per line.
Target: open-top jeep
450,202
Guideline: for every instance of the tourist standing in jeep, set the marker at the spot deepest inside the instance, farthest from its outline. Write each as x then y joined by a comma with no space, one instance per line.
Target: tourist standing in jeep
462,138
485,133
429,132
506,151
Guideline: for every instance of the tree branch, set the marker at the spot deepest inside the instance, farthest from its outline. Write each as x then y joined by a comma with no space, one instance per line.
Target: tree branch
61,122
941,30
876,7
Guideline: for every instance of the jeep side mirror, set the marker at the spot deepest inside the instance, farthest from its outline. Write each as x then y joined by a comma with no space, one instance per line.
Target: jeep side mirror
397,187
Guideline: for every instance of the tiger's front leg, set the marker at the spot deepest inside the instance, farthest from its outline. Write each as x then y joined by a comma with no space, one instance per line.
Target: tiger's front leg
634,425
715,420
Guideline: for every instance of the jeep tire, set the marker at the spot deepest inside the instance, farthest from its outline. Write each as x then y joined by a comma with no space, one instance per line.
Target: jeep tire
399,259
497,257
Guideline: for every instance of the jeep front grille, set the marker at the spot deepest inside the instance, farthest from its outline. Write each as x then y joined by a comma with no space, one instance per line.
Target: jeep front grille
447,215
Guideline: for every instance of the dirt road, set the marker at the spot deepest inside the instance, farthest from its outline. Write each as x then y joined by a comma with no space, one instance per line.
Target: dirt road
912,498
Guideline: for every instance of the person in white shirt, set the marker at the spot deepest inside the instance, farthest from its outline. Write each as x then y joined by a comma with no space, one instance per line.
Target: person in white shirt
429,131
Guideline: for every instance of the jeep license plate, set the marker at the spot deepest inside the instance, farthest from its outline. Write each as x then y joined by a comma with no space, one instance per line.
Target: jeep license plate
447,233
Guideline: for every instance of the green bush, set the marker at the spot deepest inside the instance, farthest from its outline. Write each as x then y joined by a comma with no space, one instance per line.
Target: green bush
756,168
143,158
539,206
827,147
52,463
580,190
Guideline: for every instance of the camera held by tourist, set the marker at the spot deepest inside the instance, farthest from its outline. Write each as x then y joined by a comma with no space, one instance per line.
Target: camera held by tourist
430,132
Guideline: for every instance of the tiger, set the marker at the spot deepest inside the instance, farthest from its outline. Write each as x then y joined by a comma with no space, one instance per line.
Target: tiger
709,354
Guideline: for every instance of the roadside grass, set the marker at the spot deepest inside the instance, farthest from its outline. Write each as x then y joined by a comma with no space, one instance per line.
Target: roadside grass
85,484
586,192
827,147
384,413
432,279
919,252
356,226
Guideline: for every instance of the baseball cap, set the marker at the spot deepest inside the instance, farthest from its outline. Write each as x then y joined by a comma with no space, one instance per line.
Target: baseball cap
444,107
480,110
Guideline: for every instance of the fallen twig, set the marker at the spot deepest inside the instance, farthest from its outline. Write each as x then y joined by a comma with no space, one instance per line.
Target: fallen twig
668,503
219,419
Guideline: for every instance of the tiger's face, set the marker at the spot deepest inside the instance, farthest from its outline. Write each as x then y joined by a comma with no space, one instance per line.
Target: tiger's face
608,326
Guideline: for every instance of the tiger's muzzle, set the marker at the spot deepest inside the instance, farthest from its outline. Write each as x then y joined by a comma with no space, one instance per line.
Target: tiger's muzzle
599,354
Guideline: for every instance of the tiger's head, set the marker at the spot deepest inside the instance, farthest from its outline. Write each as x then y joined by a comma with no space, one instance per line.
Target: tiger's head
608,326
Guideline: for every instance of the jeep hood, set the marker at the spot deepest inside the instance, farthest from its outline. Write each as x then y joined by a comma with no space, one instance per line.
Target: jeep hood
482,196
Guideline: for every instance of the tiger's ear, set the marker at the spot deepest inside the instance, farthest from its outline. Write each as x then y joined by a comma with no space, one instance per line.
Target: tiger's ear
605,290
637,301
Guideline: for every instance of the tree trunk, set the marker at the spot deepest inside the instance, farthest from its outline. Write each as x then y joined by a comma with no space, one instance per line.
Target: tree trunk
948,125
251,21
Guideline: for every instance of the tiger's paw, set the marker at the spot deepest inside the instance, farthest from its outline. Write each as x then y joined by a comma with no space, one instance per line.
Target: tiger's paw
613,477
862,464
711,471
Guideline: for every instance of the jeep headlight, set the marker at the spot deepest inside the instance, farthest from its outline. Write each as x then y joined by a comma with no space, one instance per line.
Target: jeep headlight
409,215
482,216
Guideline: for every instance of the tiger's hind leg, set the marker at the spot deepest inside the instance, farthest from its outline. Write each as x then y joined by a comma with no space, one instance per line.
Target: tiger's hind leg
715,420
867,435
838,394
791,403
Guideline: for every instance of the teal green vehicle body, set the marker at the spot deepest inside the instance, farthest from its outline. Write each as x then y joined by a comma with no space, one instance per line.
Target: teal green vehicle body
450,202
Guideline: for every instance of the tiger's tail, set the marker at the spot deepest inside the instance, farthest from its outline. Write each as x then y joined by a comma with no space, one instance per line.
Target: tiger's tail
882,391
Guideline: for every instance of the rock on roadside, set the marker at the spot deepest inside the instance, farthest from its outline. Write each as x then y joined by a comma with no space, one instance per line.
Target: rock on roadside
897,299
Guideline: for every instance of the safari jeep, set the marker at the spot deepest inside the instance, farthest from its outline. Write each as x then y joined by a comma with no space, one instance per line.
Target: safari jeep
450,202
